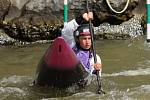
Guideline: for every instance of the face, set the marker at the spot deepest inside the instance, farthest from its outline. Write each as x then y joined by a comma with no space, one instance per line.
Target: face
85,42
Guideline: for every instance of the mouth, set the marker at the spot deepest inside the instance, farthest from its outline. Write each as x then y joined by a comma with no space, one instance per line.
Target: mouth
87,46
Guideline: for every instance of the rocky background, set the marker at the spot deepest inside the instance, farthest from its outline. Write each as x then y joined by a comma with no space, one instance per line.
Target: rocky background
40,21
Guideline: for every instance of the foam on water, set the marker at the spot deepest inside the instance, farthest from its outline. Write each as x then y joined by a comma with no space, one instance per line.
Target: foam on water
76,96
14,87
140,71
13,80
11,91
144,88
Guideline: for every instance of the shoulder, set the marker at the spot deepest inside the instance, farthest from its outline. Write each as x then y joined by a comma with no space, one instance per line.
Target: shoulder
72,24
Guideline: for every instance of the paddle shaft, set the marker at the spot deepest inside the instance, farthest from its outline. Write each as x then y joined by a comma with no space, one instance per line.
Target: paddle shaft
94,51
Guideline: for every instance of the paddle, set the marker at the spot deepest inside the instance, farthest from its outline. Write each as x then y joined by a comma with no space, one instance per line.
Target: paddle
100,90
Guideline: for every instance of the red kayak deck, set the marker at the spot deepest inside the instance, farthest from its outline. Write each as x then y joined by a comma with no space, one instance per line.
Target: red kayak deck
59,66
61,56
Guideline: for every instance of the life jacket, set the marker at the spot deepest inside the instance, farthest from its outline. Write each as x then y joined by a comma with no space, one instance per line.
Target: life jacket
84,57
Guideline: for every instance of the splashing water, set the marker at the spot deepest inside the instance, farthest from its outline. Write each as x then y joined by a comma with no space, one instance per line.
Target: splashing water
137,72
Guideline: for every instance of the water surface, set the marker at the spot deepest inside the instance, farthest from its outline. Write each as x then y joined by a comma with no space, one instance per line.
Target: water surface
126,73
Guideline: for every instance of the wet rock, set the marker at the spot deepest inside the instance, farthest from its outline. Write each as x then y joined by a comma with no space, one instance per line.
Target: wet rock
51,11
29,21
5,39
31,33
144,23
126,30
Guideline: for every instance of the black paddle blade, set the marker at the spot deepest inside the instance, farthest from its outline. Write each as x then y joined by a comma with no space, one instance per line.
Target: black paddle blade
101,91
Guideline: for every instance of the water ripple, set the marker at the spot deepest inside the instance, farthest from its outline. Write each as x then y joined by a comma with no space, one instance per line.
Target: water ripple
137,72
144,88
5,92
14,80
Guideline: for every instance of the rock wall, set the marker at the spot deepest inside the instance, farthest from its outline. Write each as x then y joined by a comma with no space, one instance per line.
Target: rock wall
33,20
43,11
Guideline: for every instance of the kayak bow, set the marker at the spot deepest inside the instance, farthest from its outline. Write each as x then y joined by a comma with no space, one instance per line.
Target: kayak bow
59,67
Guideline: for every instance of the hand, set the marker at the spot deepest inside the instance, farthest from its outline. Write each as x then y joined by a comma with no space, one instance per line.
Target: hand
83,18
88,16
98,66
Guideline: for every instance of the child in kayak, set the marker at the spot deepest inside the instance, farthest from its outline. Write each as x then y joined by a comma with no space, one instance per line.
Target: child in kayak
78,35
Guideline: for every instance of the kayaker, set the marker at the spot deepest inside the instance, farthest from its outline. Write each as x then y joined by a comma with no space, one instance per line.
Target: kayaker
77,34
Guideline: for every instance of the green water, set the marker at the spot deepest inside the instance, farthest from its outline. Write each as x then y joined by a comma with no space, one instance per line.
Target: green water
126,73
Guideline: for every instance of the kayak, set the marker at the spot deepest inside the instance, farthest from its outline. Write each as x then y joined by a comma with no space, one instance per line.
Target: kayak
59,67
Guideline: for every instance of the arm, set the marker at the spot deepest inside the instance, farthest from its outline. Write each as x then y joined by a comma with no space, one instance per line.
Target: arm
67,32
70,27
96,66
